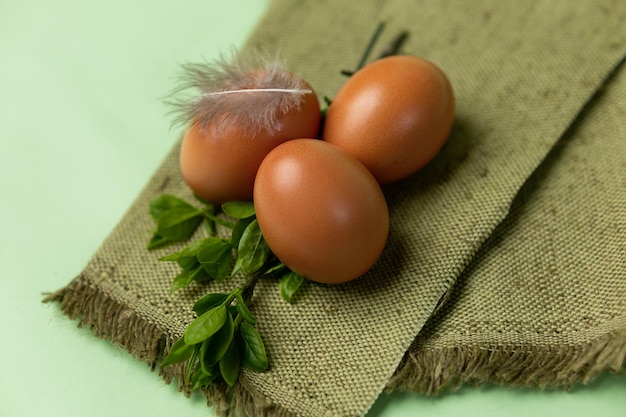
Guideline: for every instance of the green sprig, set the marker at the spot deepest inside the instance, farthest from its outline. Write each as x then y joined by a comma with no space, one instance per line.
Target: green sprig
219,341
223,337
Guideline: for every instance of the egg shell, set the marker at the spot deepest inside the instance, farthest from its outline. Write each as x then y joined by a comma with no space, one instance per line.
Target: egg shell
394,115
322,213
220,165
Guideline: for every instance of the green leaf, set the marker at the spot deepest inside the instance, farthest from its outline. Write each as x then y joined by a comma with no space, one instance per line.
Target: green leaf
240,227
243,311
232,309
230,364
207,203
179,223
289,284
216,258
210,209
253,251
253,354
188,256
157,240
218,344
202,378
188,262
279,267
238,209
209,226
179,352
208,302
204,366
206,325
191,364
187,276
172,257
236,267
166,202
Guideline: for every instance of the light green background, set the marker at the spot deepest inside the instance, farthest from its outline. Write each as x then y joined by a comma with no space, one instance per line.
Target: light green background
82,129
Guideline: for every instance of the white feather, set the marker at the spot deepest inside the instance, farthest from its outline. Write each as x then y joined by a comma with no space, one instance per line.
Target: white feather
250,92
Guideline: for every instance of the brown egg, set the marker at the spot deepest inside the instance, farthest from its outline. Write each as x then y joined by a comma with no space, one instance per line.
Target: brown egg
394,115
219,160
321,211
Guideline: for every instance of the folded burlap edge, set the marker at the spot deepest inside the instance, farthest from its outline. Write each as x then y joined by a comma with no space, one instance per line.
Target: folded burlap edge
425,373
437,370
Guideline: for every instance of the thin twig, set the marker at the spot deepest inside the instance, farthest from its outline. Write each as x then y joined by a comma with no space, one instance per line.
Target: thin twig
248,286
390,49
370,45
368,50
394,46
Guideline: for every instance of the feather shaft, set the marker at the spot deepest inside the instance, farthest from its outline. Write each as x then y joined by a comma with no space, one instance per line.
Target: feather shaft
260,90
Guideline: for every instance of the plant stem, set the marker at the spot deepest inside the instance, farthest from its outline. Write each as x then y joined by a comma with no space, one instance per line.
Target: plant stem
370,45
390,49
394,46
237,291
367,51
247,288
237,321
217,219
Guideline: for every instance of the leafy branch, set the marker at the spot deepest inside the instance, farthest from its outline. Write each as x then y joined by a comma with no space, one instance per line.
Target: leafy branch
223,338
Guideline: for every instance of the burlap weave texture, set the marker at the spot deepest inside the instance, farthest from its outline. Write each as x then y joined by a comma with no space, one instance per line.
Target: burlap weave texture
521,72
543,303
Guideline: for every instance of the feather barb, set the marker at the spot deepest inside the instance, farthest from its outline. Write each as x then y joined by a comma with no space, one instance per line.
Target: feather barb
249,92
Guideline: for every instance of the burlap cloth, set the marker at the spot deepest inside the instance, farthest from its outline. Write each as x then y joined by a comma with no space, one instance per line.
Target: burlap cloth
540,274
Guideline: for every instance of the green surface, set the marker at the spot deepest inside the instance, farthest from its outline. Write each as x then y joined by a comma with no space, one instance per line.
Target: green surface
82,129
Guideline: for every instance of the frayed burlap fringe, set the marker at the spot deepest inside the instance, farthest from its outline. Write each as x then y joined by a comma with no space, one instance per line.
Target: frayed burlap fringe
430,371
427,371
109,319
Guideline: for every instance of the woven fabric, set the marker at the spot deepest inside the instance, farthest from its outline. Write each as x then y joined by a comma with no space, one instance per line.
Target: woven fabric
521,72
544,301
